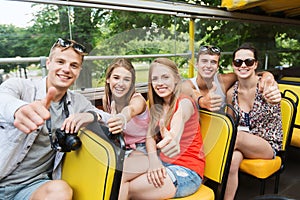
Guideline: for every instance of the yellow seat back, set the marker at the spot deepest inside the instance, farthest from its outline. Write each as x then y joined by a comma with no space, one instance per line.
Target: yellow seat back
219,133
217,130
91,170
288,119
287,85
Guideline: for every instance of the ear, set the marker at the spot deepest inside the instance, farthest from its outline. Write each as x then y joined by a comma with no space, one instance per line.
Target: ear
256,65
107,80
47,63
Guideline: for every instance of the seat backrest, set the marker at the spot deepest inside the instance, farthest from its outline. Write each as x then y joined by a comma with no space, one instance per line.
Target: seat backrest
295,88
288,115
93,171
219,133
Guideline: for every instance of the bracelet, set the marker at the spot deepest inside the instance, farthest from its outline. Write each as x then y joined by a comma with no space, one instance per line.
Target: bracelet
125,120
96,116
199,100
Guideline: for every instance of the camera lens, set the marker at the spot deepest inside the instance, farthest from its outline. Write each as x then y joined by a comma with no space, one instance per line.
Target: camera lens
73,142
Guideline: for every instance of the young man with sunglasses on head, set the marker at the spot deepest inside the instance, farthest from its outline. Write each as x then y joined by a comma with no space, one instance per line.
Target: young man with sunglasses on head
31,111
210,87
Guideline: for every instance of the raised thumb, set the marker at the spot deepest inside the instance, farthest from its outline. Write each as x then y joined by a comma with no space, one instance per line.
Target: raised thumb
49,97
213,88
268,82
113,108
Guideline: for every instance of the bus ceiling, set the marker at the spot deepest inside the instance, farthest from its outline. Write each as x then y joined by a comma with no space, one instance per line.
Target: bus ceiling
265,11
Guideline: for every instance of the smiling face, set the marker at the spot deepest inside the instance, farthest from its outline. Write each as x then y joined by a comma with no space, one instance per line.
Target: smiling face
163,81
120,82
244,71
64,68
208,65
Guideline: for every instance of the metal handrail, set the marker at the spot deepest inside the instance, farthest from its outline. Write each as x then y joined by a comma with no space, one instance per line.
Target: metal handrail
20,60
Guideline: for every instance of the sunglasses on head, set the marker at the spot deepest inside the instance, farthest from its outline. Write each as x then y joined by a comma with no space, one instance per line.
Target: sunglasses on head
70,43
248,62
212,49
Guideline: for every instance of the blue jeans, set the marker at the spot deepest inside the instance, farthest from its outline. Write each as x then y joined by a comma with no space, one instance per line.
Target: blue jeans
20,192
185,180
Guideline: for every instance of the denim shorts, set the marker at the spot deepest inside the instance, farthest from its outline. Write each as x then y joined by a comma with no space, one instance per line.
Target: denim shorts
20,192
185,180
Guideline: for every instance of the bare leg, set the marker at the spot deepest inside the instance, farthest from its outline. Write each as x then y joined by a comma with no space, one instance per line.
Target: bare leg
253,146
141,189
53,190
232,182
134,166
246,146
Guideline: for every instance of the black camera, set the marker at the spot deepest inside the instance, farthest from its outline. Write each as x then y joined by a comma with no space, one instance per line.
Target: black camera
65,142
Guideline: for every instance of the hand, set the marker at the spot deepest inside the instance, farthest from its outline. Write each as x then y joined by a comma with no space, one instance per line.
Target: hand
168,145
29,117
156,172
75,121
117,121
270,91
211,100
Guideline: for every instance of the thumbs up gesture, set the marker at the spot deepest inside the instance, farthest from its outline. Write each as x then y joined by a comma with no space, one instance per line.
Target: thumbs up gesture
168,145
117,121
29,117
270,90
211,100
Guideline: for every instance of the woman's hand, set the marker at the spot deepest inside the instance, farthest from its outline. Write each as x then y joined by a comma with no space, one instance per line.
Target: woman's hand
117,122
156,172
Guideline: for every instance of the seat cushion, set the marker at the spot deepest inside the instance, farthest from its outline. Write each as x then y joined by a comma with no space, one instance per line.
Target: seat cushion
260,168
203,193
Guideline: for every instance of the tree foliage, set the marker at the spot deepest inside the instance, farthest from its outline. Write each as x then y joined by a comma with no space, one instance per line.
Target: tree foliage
113,32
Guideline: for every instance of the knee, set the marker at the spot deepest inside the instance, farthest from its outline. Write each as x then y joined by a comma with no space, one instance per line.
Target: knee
60,189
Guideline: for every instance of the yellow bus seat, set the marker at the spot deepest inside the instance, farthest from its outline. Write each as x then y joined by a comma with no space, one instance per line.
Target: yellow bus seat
293,84
93,171
263,169
219,133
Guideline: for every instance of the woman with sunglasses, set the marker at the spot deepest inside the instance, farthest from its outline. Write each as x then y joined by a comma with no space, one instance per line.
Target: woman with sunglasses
259,129
130,114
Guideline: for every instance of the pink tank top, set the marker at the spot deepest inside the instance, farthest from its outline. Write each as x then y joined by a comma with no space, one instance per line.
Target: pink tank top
136,128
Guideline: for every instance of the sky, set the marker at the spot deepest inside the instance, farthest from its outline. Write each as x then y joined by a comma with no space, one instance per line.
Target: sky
16,13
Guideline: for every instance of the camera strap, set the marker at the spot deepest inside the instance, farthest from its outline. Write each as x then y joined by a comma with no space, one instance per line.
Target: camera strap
48,121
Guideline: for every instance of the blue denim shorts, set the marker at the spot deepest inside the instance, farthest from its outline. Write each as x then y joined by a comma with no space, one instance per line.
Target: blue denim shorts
20,192
185,180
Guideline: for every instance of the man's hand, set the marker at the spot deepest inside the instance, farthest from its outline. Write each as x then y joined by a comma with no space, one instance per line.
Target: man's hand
75,121
29,117
270,90
211,100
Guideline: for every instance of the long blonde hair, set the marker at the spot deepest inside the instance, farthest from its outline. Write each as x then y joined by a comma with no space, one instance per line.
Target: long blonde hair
118,62
155,101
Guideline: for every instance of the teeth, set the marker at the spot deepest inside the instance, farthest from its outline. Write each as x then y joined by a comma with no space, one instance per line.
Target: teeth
63,77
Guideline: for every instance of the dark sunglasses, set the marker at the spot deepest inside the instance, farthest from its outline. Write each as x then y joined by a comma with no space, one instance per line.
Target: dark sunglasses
69,43
249,62
212,49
